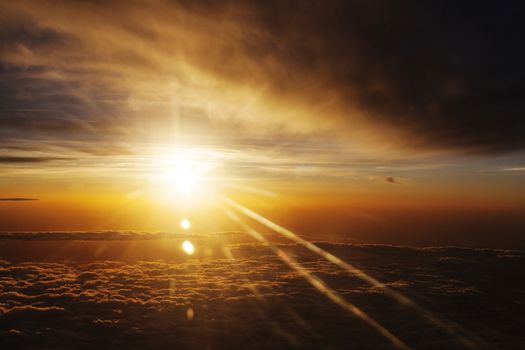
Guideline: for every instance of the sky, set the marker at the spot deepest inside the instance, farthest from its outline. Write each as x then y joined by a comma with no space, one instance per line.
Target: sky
262,174
373,120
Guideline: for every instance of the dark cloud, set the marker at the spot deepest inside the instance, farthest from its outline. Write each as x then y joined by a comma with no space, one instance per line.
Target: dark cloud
444,74
14,159
254,300
18,199
99,235
391,180
436,75
18,31
38,104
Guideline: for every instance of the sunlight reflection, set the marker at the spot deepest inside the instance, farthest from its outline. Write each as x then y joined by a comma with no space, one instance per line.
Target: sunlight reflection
188,247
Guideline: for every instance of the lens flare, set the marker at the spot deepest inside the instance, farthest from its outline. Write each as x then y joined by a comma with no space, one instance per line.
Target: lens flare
190,314
185,224
188,247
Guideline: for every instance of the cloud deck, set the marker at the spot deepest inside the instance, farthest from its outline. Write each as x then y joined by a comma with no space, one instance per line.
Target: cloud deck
256,301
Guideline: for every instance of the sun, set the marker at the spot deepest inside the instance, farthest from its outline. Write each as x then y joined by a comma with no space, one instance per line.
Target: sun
183,179
182,175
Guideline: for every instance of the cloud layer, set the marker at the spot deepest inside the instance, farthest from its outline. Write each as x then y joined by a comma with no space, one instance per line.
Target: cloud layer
435,75
253,300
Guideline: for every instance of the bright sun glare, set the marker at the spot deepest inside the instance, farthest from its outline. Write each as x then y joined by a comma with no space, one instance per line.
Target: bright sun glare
183,179
182,173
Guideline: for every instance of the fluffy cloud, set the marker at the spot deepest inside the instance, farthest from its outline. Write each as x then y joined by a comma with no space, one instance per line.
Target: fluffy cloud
253,300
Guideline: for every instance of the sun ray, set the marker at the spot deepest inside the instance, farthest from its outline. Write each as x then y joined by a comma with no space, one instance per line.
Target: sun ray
463,335
318,283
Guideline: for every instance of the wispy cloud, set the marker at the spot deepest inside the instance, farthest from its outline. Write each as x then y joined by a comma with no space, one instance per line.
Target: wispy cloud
514,169
325,70
18,199
16,159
